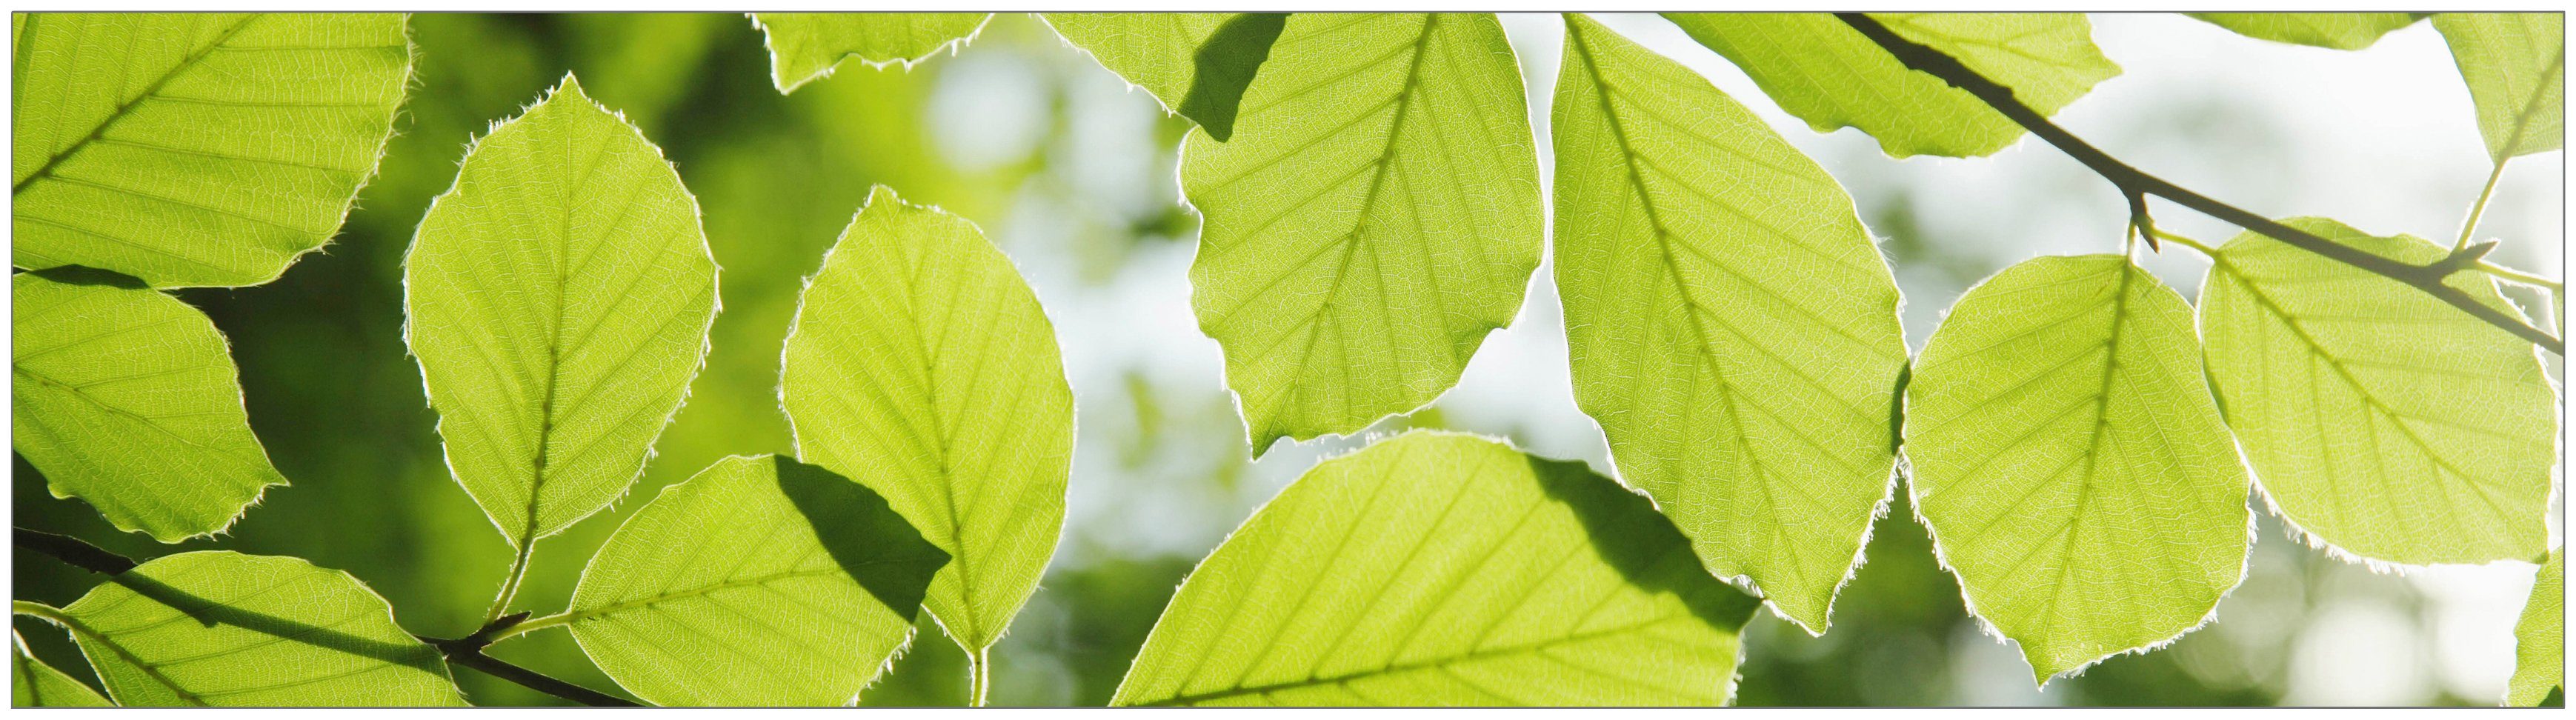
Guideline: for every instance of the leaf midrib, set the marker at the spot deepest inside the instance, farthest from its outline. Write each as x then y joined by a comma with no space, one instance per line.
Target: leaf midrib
123,109
149,670
1400,668
2522,120
1404,100
716,587
2092,450
1582,44
2318,351
77,392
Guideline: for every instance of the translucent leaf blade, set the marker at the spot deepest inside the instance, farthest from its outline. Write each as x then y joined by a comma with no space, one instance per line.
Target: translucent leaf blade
2540,638
1373,218
2381,421
759,582
921,366
195,149
2339,30
1196,64
558,298
2516,68
227,629
2070,463
128,399
1830,75
803,47
1444,569
1731,325
32,683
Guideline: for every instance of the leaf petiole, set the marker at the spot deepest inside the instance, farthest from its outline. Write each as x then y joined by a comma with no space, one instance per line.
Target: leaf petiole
2470,226
40,610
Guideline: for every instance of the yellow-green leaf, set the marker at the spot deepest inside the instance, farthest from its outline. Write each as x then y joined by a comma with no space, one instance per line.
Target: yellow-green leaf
1445,569
2380,420
1375,215
127,399
762,581
226,629
1830,75
2337,30
2516,67
1731,325
920,365
2540,638
558,298
803,47
1196,64
195,149
2071,464
32,683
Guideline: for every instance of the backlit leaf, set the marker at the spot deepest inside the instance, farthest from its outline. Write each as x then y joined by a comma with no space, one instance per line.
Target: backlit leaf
195,149
1445,569
127,399
1197,64
1732,327
2380,420
32,683
2337,30
1830,75
2540,638
762,581
223,628
2071,464
1374,216
558,299
803,47
920,365
2516,67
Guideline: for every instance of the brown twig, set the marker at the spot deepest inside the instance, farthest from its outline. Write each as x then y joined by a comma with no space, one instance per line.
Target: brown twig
2136,186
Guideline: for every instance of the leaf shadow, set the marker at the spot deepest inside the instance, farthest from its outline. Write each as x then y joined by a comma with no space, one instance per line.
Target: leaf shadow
1224,66
85,275
211,613
1642,544
864,534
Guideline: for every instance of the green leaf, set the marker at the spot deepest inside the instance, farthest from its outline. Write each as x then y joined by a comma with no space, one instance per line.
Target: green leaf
222,628
1374,216
1731,325
126,398
1197,64
2516,67
558,298
2381,420
32,683
2071,465
2540,638
804,47
195,149
920,365
2339,31
762,581
1830,75
1445,569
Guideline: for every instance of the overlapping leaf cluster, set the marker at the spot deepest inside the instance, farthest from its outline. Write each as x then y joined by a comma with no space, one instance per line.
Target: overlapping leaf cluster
2071,434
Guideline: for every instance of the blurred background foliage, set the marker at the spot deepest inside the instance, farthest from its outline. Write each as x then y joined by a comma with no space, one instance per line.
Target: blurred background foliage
1073,175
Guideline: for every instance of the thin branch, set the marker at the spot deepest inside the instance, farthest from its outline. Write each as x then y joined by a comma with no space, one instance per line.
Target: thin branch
466,651
530,679
2136,185
72,551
